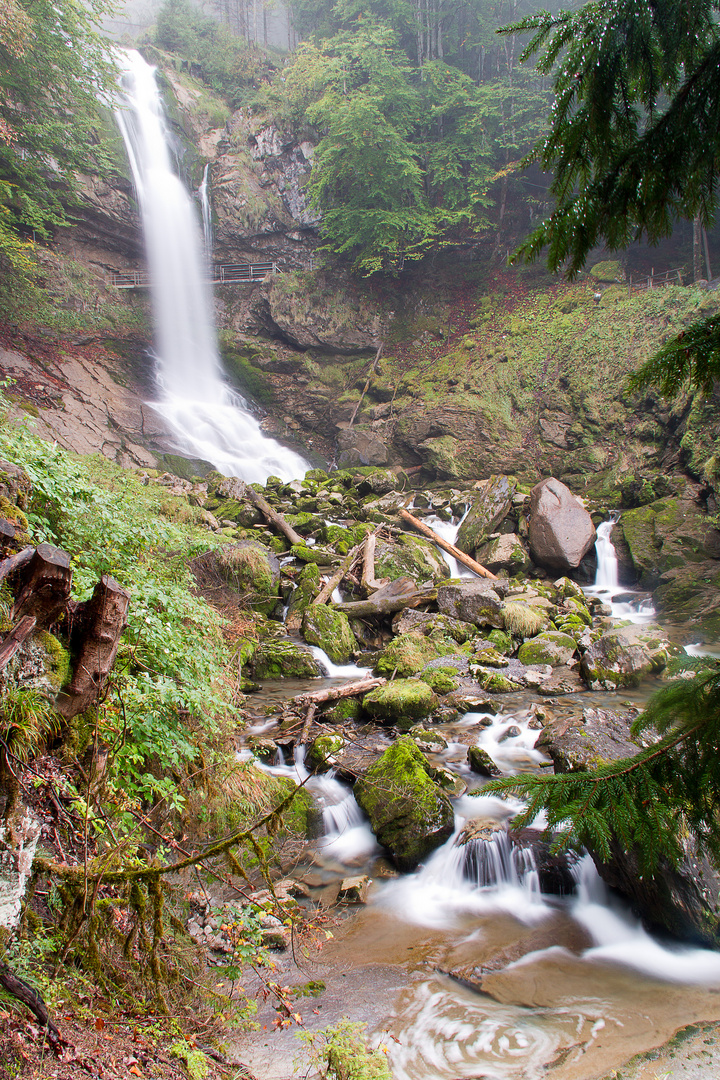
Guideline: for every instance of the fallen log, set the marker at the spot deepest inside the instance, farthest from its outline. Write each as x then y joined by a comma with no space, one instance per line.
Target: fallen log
99,624
18,988
330,586
446,546
19,633
272,515
13,562
335,693
45,585
368,581
399,594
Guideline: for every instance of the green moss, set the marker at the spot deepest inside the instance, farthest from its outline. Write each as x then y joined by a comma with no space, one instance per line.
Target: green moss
493,682
403,700
58,659
550,648
407,654
322,751
312,555
330,630
408,813
247,568
440,681
501,641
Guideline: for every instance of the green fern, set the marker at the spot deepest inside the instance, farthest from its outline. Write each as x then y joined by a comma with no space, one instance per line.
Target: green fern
650,802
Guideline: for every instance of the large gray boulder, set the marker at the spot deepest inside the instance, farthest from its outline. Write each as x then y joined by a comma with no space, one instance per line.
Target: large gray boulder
561,530
618,659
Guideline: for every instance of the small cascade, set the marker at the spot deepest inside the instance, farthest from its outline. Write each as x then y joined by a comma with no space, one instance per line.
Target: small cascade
204,193
624,603
209,420
496,861
337,671
448,530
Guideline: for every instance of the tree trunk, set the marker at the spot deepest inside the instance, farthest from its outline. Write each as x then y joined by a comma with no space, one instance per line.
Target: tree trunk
247,492
19,633
99,624
19,989
329,587
335,693
697,249
14,562
368,580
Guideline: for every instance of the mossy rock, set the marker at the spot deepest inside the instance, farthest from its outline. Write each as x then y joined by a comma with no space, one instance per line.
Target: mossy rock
490,657
343,710
330,630
400,702
579,609
308,586
481,763
15,486
253,571
552,647
323,752
275,656
493,682
411,556
488,509
501,641
608,270
407,654
430,742
440,682
409,814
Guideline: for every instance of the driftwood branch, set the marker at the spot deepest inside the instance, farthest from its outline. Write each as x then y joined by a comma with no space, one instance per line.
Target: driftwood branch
329,587
399,594
445,545
17,988
19,633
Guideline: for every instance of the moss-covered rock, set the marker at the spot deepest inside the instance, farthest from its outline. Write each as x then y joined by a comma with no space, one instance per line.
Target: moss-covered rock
492,681
507,552
411,556
490,657
407,654
488,509
472,602
501,641
614,661
667,534
401,702
345,709
253,571
552,647
481,763
409,814
330,630
439,681
308,586
275,656
319,556
323,752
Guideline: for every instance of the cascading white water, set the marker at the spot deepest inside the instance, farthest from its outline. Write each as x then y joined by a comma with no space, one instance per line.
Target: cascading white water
204,193
448,530
208,419
637,610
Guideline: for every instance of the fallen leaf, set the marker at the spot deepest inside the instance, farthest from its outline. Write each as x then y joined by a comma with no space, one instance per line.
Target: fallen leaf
99,1023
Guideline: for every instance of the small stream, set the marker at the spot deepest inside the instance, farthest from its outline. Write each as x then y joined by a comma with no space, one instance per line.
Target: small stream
464,968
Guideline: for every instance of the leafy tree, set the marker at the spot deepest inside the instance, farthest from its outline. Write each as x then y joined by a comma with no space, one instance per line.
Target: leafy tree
633,142
53,68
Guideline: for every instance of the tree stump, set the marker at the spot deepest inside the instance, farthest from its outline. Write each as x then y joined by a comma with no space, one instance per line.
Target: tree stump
44,585
97,625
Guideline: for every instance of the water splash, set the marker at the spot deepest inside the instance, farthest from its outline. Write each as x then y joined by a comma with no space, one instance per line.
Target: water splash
208,419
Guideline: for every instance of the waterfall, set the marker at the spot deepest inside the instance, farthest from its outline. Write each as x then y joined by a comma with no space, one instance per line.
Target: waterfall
606,577
208,419
204,193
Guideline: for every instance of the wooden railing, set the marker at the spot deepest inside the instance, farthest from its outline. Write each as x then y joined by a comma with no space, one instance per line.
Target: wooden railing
225,274
655,281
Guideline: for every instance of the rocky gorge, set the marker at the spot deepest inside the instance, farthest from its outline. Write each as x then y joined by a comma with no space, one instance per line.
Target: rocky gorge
489,404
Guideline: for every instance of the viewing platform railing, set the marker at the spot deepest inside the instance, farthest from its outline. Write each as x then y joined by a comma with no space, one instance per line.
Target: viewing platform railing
225,274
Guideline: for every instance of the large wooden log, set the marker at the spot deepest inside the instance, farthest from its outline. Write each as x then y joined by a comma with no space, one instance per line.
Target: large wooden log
331,585
445,545
19,633
336,693
45,585
399,594
99,624
368,581
14,562
272,515
18,988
